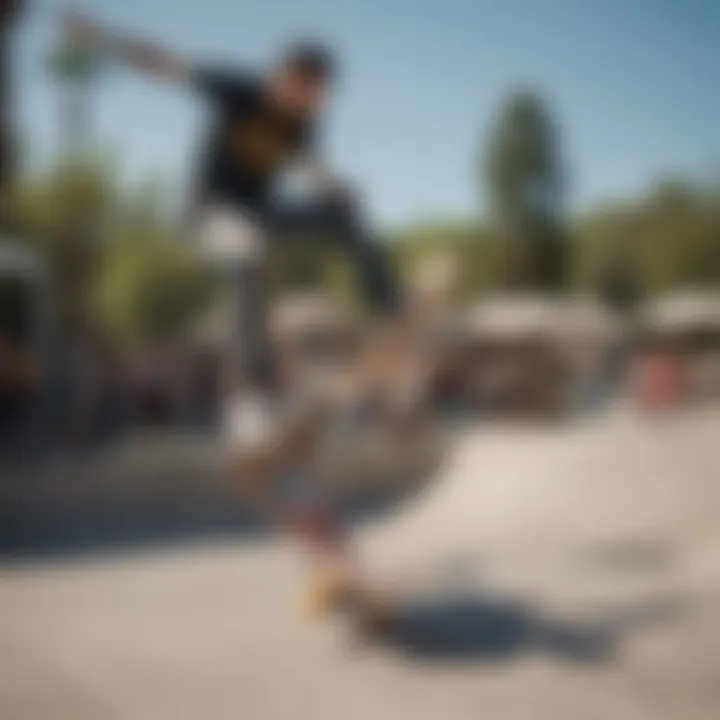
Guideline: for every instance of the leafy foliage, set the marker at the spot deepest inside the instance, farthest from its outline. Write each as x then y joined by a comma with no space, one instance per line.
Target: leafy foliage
117,263
522,170
148,285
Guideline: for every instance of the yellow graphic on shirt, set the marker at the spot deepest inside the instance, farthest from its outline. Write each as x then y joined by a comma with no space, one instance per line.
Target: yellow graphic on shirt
258,145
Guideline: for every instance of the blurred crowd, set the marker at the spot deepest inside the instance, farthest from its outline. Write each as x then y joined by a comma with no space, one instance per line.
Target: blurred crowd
514,356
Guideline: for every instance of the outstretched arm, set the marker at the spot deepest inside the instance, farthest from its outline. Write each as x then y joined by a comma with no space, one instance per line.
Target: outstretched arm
144,56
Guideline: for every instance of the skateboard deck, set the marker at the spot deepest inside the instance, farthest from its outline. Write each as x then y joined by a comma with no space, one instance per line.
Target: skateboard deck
394,366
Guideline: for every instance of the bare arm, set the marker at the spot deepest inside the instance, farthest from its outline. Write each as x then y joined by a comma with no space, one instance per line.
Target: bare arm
144,56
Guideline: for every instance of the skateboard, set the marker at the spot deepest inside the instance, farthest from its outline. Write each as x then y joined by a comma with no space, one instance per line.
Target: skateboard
393,368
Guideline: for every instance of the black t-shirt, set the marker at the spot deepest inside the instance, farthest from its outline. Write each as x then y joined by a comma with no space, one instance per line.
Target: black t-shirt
249,142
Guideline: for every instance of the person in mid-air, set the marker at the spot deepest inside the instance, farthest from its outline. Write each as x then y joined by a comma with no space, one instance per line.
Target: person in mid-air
264,124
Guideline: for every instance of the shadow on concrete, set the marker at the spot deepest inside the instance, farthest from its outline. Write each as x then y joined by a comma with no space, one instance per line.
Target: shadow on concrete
625,555
50,535
476,629
81,509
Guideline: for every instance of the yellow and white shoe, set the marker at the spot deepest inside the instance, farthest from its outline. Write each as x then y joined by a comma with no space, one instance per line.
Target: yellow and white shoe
371,610
328,592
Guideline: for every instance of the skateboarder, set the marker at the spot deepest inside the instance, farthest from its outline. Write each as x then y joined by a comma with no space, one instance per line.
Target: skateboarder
264,123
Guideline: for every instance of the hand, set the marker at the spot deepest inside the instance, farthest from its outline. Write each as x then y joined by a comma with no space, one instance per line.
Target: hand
80,29
10,10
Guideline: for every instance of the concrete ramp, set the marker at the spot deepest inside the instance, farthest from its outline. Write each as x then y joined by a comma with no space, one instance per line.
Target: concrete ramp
566,573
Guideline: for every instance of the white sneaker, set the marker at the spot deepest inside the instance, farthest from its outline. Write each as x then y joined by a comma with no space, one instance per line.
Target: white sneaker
248,421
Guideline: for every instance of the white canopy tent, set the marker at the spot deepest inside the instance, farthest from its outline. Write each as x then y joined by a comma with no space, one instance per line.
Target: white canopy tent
684,311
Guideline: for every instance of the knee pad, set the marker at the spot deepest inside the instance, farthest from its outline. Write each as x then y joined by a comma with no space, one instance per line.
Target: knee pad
228,235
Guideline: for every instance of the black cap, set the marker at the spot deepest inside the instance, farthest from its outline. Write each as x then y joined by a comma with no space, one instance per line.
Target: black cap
311,59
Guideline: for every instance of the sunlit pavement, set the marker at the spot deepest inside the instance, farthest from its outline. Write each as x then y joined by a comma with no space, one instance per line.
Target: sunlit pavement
549,574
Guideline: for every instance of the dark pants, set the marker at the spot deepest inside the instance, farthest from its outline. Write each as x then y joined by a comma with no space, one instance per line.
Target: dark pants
250,357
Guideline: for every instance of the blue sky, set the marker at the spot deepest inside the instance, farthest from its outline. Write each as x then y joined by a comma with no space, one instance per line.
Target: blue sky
634,84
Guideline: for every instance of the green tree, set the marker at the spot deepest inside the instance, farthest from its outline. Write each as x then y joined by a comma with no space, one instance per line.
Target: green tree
523,172
75,73
148,286
666,239
10,11
117,262
67,212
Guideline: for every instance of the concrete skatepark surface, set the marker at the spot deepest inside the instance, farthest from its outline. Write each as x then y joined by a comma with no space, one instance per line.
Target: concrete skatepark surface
552,573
